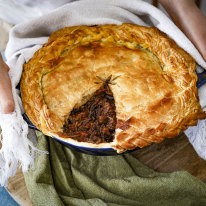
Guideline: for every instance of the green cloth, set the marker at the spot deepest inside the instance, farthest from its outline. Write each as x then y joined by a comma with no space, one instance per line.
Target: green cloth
65,177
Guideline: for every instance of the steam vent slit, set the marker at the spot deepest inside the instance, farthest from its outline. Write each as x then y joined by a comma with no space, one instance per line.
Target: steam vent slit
95,121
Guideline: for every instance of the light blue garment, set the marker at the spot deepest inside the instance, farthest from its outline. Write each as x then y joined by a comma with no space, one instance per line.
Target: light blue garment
6,199
3,55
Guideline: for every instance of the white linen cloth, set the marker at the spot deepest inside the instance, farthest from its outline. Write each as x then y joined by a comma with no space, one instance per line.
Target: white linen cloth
28,37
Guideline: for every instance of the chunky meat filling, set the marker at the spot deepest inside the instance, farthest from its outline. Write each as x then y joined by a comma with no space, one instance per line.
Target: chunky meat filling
94,121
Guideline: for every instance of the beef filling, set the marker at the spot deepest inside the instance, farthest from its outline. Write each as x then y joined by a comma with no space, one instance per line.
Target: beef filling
94,121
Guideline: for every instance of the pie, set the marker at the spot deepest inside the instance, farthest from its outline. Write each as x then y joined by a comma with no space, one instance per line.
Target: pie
120,86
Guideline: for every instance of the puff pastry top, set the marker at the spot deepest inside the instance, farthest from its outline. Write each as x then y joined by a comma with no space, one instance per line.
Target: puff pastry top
153,82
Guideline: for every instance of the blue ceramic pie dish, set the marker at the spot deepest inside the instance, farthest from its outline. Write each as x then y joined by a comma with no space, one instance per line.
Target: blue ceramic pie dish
105,151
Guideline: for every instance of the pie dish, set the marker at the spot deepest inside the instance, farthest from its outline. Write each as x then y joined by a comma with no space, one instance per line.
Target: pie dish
120,86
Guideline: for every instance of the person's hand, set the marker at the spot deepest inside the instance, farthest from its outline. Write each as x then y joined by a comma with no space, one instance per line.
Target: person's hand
6,97
188,17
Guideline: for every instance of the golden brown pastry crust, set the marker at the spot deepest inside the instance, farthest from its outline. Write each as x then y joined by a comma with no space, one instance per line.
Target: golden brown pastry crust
153,82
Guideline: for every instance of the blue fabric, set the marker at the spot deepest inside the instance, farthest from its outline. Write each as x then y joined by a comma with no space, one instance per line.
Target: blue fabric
6,199
3,55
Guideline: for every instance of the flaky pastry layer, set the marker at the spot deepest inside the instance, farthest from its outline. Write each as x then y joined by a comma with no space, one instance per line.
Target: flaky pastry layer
152,79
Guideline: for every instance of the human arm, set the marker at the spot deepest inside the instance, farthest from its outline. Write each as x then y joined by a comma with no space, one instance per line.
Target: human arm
6,97
188,17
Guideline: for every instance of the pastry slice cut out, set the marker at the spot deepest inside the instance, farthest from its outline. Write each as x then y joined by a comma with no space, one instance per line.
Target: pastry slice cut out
95,121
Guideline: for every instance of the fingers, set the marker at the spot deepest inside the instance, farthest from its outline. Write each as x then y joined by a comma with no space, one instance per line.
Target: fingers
6,96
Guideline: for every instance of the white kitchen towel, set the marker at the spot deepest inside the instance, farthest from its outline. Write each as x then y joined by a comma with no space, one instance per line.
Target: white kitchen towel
28,37
18,11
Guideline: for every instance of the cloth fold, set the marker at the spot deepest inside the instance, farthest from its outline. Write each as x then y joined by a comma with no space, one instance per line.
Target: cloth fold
65,177
26,38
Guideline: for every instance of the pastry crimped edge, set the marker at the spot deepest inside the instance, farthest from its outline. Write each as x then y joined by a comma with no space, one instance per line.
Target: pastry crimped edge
174,60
